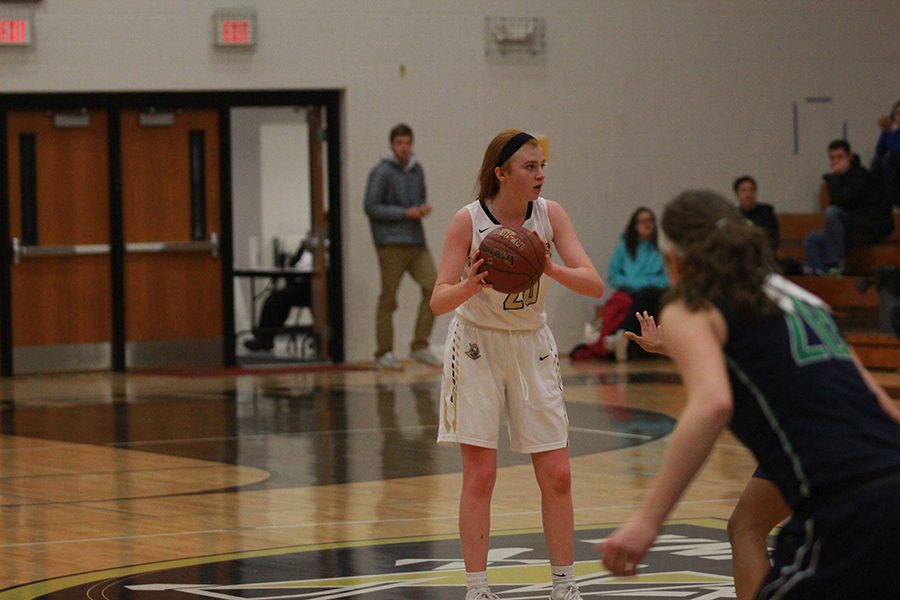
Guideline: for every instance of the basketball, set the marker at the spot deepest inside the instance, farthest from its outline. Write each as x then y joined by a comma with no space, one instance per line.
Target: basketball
513,257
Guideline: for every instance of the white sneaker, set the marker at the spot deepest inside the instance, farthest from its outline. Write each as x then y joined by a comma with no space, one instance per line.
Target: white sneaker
566,591
617,344
481,594
424,356
388,361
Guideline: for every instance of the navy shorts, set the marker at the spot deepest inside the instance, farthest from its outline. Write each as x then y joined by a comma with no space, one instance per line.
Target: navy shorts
847,548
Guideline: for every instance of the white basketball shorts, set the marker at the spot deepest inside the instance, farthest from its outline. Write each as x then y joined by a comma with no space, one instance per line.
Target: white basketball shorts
492,372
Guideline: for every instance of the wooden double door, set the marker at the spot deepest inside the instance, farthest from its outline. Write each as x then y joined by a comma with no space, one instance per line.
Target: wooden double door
114,227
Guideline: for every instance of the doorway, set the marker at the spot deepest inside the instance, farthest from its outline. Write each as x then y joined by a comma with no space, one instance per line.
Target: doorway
280,222
117,228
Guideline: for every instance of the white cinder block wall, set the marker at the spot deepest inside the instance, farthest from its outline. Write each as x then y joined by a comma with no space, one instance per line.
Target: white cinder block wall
639,98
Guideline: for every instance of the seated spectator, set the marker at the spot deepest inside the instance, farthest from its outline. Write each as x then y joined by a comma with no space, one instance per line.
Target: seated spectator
857,210
887,154
637,273
763,215
758,213
297,291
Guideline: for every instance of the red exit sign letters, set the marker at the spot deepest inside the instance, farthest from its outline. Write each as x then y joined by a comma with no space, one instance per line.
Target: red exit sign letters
234,32
234,27
15,32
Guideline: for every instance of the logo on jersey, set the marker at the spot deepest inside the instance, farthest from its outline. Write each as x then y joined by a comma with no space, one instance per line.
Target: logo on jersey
473,352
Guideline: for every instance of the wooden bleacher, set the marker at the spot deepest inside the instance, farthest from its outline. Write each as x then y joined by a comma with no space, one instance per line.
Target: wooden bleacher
857,312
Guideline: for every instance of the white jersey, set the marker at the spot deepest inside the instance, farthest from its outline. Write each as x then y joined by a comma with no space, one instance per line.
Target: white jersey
496,310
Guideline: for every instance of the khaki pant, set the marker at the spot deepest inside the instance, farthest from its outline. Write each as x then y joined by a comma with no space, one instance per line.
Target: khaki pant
394,260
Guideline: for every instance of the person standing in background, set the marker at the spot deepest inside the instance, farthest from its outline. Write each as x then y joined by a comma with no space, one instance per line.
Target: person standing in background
396,203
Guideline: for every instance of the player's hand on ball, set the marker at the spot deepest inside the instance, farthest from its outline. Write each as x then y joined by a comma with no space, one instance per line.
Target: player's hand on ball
474,276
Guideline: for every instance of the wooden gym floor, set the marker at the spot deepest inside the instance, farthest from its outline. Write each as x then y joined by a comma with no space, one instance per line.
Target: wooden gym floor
326,484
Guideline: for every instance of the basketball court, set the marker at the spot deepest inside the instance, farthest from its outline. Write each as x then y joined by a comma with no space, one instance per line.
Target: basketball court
326,483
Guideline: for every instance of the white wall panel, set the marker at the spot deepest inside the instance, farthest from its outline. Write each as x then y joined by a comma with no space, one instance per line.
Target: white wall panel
640,98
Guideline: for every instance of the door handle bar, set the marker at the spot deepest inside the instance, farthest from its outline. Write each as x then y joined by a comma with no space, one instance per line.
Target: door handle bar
20,251
211,245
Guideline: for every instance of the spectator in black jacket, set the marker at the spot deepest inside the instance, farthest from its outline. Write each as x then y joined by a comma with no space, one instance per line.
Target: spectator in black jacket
857,210
758,213
297,291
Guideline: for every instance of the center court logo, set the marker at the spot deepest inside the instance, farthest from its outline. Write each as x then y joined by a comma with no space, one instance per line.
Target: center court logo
690,560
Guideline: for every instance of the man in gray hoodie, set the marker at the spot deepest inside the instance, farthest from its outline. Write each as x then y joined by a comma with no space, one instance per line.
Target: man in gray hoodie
396,204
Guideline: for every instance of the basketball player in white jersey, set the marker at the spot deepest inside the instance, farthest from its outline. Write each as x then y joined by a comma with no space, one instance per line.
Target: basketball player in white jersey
501,357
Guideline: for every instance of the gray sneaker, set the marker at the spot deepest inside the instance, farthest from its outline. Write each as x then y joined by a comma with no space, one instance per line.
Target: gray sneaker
424,356
481,594
566,591
388,361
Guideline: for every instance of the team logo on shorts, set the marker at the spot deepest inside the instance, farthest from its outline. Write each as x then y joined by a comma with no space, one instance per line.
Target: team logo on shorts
473,352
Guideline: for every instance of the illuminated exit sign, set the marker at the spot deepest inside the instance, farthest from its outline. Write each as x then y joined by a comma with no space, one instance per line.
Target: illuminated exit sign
234,27
15,31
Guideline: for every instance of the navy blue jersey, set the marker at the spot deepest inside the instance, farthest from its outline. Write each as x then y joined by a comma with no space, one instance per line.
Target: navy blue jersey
800,403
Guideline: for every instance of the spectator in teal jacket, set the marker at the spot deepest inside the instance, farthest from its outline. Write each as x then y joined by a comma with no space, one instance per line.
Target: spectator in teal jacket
636,268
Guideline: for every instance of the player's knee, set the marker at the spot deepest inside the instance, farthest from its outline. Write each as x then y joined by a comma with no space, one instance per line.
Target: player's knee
387,303
558,479
480,485
741,527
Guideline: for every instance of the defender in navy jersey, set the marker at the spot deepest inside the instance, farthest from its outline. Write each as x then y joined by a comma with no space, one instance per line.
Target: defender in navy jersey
500,357
765,357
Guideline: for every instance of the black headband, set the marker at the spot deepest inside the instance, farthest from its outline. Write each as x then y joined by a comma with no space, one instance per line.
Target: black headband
512,146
